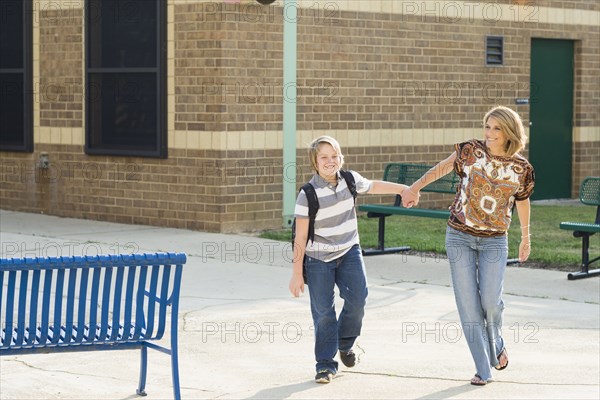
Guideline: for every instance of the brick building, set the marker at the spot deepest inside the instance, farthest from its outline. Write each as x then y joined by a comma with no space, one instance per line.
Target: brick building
169,112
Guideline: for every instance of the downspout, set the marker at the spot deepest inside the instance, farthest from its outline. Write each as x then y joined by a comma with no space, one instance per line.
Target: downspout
290,13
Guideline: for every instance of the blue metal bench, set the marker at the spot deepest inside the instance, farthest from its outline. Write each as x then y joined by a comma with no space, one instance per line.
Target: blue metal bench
589,194
60,304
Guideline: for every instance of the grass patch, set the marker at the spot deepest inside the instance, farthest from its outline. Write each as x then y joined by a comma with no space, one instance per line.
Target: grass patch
551,246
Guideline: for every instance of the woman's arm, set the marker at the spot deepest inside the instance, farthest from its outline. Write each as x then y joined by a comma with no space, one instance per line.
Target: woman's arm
411,196
524,212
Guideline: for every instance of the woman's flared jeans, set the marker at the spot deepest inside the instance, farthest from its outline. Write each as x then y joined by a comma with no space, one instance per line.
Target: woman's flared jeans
477,265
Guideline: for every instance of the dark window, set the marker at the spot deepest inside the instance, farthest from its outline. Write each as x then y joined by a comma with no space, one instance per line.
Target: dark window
494,51
126,77
16,94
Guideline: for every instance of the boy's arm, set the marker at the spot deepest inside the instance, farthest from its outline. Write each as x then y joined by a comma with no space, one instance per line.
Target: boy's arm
297,281
383,187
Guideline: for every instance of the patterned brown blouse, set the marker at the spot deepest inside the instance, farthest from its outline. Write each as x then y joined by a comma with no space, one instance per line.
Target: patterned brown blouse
489,186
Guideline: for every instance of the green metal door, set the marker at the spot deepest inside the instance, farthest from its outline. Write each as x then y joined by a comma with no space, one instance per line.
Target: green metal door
551,117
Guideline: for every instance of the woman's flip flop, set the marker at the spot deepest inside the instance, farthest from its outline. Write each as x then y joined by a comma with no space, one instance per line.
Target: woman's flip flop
501,367
477,381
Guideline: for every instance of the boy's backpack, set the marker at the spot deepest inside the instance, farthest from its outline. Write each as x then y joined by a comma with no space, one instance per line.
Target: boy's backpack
313,208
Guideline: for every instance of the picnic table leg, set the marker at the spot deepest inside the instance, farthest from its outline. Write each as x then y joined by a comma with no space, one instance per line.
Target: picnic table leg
585,259
381,234
381,241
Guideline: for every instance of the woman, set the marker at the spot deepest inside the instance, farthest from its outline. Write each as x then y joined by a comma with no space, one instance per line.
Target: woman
493,178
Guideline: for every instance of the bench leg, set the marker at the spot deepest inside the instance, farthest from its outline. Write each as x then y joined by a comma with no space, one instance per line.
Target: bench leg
143,369
580,275
585,259
381,242
175,367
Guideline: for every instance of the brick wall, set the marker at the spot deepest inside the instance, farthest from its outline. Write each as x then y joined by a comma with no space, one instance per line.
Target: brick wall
357,70
228,67
369,71
61,68
390,87
586,162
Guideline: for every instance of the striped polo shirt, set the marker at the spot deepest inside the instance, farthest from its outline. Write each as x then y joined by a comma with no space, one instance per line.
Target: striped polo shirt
336,227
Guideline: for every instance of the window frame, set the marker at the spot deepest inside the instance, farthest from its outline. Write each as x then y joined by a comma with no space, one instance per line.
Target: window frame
160,147
27,71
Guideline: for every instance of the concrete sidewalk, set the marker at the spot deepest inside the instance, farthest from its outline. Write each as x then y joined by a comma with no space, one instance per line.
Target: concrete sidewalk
242,335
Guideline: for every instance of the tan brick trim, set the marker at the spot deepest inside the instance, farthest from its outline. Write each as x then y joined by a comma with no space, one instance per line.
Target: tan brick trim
439,11
273,140
586,134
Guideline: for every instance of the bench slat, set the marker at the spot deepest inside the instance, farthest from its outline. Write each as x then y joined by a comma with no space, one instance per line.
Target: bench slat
58,300
139,320
10,300
118,292
129,298
106,289
95,291
71,297
164,295
46,303
23,285
35,288
81,307
151,304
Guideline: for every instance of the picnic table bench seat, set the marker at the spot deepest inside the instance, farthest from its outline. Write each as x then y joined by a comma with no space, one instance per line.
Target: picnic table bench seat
589,194
406,174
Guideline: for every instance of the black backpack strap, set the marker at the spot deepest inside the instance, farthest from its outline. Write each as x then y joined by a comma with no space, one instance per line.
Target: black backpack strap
349,178
313,208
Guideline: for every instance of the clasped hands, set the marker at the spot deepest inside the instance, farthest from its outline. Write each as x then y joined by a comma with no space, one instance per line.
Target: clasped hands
409,197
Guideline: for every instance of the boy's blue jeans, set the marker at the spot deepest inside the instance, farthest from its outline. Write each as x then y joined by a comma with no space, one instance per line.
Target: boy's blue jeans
477,265
331,333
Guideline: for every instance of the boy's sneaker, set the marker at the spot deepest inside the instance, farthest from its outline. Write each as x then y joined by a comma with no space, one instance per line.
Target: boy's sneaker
348,358
324,376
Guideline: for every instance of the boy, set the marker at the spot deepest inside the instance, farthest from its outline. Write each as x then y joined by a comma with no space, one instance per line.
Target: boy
334,256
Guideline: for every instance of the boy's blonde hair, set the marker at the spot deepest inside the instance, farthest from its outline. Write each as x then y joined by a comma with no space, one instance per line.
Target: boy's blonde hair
511,125
313,149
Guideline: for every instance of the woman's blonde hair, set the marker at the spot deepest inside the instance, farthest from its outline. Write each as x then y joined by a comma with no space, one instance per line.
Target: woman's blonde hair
313,149
511,125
